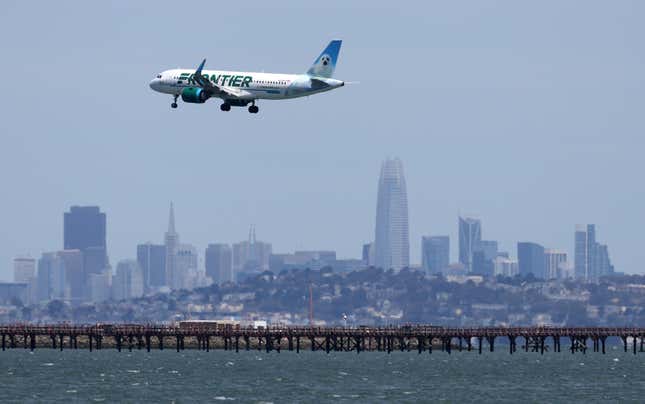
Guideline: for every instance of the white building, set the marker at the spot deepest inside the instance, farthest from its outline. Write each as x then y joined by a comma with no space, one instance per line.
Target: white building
186,269
24,269
392,241
556,264
128,280
99,286
505,266
52,282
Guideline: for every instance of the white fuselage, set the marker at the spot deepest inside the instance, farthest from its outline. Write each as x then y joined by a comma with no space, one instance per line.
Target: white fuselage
246,85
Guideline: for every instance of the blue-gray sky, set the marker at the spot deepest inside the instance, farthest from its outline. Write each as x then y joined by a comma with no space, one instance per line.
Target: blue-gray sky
526,114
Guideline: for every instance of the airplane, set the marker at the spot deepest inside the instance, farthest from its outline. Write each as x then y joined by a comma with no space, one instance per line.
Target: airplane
239,89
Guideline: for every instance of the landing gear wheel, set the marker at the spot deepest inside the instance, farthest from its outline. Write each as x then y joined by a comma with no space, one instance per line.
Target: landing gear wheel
254,109
173,105
225,107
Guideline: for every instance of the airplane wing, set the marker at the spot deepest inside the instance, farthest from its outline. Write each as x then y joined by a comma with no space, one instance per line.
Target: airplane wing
210,87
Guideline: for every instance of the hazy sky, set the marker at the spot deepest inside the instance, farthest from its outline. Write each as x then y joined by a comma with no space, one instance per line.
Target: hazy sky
529,115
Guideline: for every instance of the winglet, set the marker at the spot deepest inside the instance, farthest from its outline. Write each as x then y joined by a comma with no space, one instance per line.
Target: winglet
199,69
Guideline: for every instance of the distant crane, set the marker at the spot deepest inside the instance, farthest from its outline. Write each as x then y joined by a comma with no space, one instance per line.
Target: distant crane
311,305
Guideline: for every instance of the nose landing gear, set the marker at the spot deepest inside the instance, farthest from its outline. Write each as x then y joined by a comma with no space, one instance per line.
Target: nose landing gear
174,103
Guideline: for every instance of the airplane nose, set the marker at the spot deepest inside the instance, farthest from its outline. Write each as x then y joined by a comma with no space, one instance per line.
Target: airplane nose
154,84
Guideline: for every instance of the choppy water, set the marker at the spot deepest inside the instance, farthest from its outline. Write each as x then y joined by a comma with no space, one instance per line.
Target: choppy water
193,376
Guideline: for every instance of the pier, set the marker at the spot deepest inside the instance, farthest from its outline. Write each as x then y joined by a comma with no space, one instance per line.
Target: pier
415,338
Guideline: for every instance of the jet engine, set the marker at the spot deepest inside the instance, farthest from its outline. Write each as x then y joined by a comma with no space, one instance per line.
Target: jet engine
194,95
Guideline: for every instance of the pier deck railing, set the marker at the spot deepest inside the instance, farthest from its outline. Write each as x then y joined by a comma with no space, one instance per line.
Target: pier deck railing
420,338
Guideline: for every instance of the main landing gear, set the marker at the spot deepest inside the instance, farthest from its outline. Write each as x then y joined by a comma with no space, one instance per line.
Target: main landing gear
225,106
174,103
253,108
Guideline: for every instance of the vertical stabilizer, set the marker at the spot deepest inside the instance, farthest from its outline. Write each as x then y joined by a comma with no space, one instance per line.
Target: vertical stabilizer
326,63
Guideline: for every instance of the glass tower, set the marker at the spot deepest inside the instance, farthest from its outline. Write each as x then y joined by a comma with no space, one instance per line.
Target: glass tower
392,242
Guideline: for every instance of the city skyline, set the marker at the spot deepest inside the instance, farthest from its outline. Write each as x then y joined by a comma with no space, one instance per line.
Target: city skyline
177,266
81,271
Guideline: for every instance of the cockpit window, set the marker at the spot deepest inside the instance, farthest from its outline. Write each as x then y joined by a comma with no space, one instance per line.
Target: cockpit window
158,76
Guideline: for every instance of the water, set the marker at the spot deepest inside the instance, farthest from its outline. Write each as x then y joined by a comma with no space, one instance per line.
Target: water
193,376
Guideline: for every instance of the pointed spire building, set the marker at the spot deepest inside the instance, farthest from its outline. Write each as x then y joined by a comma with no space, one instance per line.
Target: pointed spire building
171,242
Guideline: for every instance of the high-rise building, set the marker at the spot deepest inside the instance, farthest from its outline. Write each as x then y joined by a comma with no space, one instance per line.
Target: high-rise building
24,269
435,253
99,286
556,264
531,259
505,266
392,241
251,256
591,258
152,261
128,280
483,255
219,263
470,235
368,254
52,284
74,275
186,267
84,230
171,243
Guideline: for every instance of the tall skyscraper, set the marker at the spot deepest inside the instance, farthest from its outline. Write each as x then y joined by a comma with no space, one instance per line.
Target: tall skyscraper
470,235
171,242
435,254
84,230
152,260
531,259
24,269
483,255
591,258
219,263
128,280
392,241
84,227
251,256
556,264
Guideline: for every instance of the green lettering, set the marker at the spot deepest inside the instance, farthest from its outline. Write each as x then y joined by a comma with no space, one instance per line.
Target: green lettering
247,80
215,78
224,77
236,81
191,79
